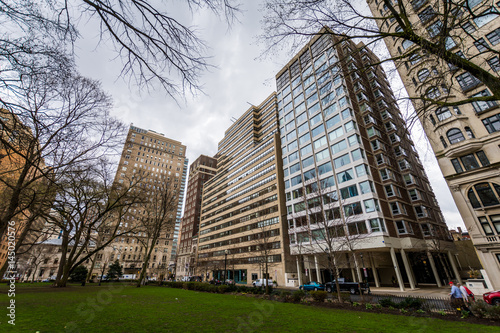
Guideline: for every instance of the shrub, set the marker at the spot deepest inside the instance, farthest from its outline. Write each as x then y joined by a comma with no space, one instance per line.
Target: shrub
345,297
319,295
387,302
222,289
493,312
368,306
285,295
79,274
411,303
298,296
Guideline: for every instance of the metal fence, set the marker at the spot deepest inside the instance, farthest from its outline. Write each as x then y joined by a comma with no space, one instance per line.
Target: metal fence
433,304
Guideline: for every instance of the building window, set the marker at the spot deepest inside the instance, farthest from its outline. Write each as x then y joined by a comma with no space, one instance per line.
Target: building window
494,64
403,227
486,17
443,142
377,225
480,106
423,74
455,135
467,81
443,113
470,161
494,36
482,194
486,226
495,219
469,132
492,123
435,28
481,45
427,14
433,93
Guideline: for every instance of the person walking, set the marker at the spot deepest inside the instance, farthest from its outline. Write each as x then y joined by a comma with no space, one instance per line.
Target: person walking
457,300
470,294
464,292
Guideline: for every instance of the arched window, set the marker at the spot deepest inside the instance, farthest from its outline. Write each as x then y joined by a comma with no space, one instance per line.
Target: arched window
469,132
433,93
445,145
423,74
443,113
473,199
433,121
406,44
455,135
484,194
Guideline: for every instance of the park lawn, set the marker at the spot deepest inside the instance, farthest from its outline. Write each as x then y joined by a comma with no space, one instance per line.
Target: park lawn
119,308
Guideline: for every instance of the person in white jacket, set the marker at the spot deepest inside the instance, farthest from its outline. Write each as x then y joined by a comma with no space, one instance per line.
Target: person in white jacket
463,291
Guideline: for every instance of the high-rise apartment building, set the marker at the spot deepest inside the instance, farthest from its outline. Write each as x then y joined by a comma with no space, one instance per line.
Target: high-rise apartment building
155,160
200,171
465,138
348,160
241,229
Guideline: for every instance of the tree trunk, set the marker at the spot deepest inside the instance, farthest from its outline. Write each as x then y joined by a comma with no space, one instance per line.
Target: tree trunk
62,262
145,264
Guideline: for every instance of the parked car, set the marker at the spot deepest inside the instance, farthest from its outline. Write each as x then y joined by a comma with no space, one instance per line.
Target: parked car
195,279
262,282
215,282
313,285
492,297
352,287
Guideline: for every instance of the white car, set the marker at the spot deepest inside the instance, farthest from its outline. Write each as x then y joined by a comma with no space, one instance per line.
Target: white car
262,282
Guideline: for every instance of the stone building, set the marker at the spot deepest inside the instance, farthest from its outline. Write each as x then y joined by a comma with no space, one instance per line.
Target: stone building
160,164
464,137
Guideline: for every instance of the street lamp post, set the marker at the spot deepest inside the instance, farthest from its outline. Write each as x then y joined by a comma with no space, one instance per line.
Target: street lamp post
225,264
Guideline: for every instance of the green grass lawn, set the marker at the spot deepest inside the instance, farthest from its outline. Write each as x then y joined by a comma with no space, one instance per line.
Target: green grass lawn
41,308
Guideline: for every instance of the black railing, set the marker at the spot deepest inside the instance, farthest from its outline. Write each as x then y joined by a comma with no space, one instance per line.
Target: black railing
432,304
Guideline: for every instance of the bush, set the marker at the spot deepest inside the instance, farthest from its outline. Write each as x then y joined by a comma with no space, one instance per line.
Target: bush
222,289
285,295
482,310
319,295
298,296
387,303
345,297
411,303
493,312
79,274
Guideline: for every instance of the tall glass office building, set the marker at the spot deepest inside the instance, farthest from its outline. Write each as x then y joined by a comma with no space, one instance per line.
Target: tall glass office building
348,160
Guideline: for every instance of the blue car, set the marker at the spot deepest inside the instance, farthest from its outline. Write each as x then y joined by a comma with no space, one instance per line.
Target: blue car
312,286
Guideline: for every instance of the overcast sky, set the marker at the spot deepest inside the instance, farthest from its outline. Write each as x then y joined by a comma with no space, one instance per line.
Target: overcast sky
238,79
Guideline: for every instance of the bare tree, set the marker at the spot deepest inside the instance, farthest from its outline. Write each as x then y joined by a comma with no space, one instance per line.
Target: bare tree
85,207
152,44
36,257
329,225
293,23
158,218
265,238
50,126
